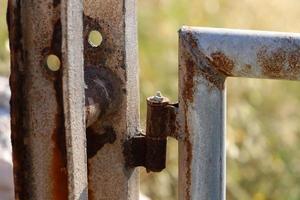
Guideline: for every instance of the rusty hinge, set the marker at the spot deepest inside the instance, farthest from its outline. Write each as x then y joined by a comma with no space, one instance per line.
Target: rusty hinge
149,150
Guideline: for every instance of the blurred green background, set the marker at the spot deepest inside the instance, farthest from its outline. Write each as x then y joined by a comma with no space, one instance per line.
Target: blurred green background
263,129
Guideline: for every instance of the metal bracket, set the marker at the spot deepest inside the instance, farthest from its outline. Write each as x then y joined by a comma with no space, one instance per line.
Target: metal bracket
149,150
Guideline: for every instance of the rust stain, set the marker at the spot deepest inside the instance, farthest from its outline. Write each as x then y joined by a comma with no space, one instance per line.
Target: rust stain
294,63
222,63
189,155
22,164
188,93
59,161
272,64
279,63
188,88
204,64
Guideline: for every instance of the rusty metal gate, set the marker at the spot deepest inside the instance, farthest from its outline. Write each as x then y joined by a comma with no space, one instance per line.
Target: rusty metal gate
74,105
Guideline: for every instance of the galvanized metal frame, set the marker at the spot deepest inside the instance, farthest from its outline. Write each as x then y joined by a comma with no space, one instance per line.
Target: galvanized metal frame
206,57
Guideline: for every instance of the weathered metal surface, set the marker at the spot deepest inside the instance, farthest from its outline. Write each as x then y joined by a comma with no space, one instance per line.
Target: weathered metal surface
161,119
46,106
149,150
73,98
201,116
207,57
253,54
103,93
116,57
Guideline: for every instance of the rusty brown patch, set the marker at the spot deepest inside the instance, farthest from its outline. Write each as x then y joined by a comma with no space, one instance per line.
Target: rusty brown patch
202,63
189,156
272,63
294,63
222,63
188,89
59,162
280,63
192,41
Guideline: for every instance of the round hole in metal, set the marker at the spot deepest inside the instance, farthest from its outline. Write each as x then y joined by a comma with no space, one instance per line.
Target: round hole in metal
53,62
95,38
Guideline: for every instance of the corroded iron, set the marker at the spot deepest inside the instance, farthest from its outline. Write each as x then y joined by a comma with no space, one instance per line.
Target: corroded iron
149,150
114,66
48,113
47,107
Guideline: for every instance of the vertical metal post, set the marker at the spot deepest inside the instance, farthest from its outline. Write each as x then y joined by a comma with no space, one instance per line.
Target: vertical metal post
74,97
201,114
116,57
47,104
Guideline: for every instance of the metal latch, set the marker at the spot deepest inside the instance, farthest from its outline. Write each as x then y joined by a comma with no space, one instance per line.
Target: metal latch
149,150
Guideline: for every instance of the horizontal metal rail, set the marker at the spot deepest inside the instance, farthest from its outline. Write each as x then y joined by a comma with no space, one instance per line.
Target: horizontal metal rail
207,57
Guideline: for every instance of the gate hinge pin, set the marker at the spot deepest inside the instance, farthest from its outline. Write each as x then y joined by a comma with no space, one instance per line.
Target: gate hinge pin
150,150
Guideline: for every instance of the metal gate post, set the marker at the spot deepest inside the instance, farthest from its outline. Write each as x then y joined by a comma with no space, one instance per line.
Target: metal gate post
116,58
207,57
202,117
47,103
49,41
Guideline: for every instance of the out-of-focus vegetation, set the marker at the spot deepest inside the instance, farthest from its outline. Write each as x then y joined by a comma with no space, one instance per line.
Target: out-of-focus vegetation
4,45
263,129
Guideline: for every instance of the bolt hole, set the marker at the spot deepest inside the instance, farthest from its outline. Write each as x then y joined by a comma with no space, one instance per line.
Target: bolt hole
95,38
53,62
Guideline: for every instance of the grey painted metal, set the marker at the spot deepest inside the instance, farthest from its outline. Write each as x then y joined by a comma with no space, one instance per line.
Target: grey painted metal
47,117
73,96
206,57
108,177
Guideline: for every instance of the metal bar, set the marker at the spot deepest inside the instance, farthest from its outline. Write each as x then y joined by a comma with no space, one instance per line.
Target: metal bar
207,57
253,54
45,131
201,117
74,98
116,59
